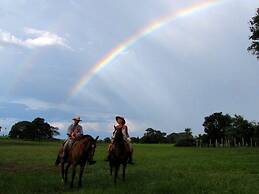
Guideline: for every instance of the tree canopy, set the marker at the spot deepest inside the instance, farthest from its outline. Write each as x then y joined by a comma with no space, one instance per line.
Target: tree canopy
235,129
154,136
254,28
216,125
37,129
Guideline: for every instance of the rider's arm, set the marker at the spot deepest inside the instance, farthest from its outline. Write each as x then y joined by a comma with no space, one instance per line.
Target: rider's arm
69,130
126,131
73,135
80,130
113,133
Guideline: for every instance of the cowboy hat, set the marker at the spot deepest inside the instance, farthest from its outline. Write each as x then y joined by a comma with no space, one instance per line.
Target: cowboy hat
77,118
120,117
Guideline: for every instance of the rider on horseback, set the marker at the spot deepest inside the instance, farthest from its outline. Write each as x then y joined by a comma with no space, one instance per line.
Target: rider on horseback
123,127
74,133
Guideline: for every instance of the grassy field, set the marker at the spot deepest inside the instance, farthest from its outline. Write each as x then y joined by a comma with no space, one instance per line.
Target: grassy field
27,167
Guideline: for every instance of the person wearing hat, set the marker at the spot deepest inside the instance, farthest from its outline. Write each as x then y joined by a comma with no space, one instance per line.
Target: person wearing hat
121,125
74,131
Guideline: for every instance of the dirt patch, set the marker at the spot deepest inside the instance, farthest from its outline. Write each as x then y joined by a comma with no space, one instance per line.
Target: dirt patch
10,167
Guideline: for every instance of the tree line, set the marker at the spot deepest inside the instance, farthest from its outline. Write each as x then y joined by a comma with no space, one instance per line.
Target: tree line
152,136
225,130
219,130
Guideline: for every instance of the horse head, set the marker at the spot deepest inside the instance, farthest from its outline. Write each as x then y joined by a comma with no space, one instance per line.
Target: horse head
118,138
91,147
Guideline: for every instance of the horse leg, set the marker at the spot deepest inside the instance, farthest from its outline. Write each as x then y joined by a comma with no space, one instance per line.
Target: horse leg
82,166
62,171
116,173
73,175
110,168
57,160
123,172
66,170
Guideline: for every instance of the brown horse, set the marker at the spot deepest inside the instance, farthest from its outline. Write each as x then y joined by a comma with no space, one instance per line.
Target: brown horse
118,155
81,152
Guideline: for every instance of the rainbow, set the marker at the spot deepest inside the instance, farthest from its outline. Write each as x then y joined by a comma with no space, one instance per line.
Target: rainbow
126,44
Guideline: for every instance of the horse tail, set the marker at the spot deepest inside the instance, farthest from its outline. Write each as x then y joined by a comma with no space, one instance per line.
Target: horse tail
57,160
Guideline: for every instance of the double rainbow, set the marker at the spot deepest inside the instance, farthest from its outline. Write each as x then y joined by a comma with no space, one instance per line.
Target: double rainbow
127,43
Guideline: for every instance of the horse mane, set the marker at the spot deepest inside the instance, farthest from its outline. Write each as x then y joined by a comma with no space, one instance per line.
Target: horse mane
88,137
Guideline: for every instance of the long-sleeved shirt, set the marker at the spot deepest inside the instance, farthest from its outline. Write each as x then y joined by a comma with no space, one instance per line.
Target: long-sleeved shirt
124,130
76,129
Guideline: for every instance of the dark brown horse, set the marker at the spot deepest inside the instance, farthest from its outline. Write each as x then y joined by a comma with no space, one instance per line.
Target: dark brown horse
119,155
81,152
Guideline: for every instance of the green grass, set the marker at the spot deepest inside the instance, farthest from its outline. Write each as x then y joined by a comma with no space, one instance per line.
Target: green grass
27,167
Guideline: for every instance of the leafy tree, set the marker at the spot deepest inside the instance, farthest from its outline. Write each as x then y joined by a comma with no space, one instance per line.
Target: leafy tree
22,130
256,132
135,139
203,139
154,136
172,138
107,140
37,129
234,129
43,129
185,138
243,128
188,131
254,28
54,131
216,125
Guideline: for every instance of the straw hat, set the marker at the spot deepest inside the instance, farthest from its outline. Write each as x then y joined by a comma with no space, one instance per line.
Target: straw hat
120,117
77,118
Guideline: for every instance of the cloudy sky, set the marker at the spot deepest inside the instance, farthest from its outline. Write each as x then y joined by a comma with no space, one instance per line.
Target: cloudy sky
169,79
